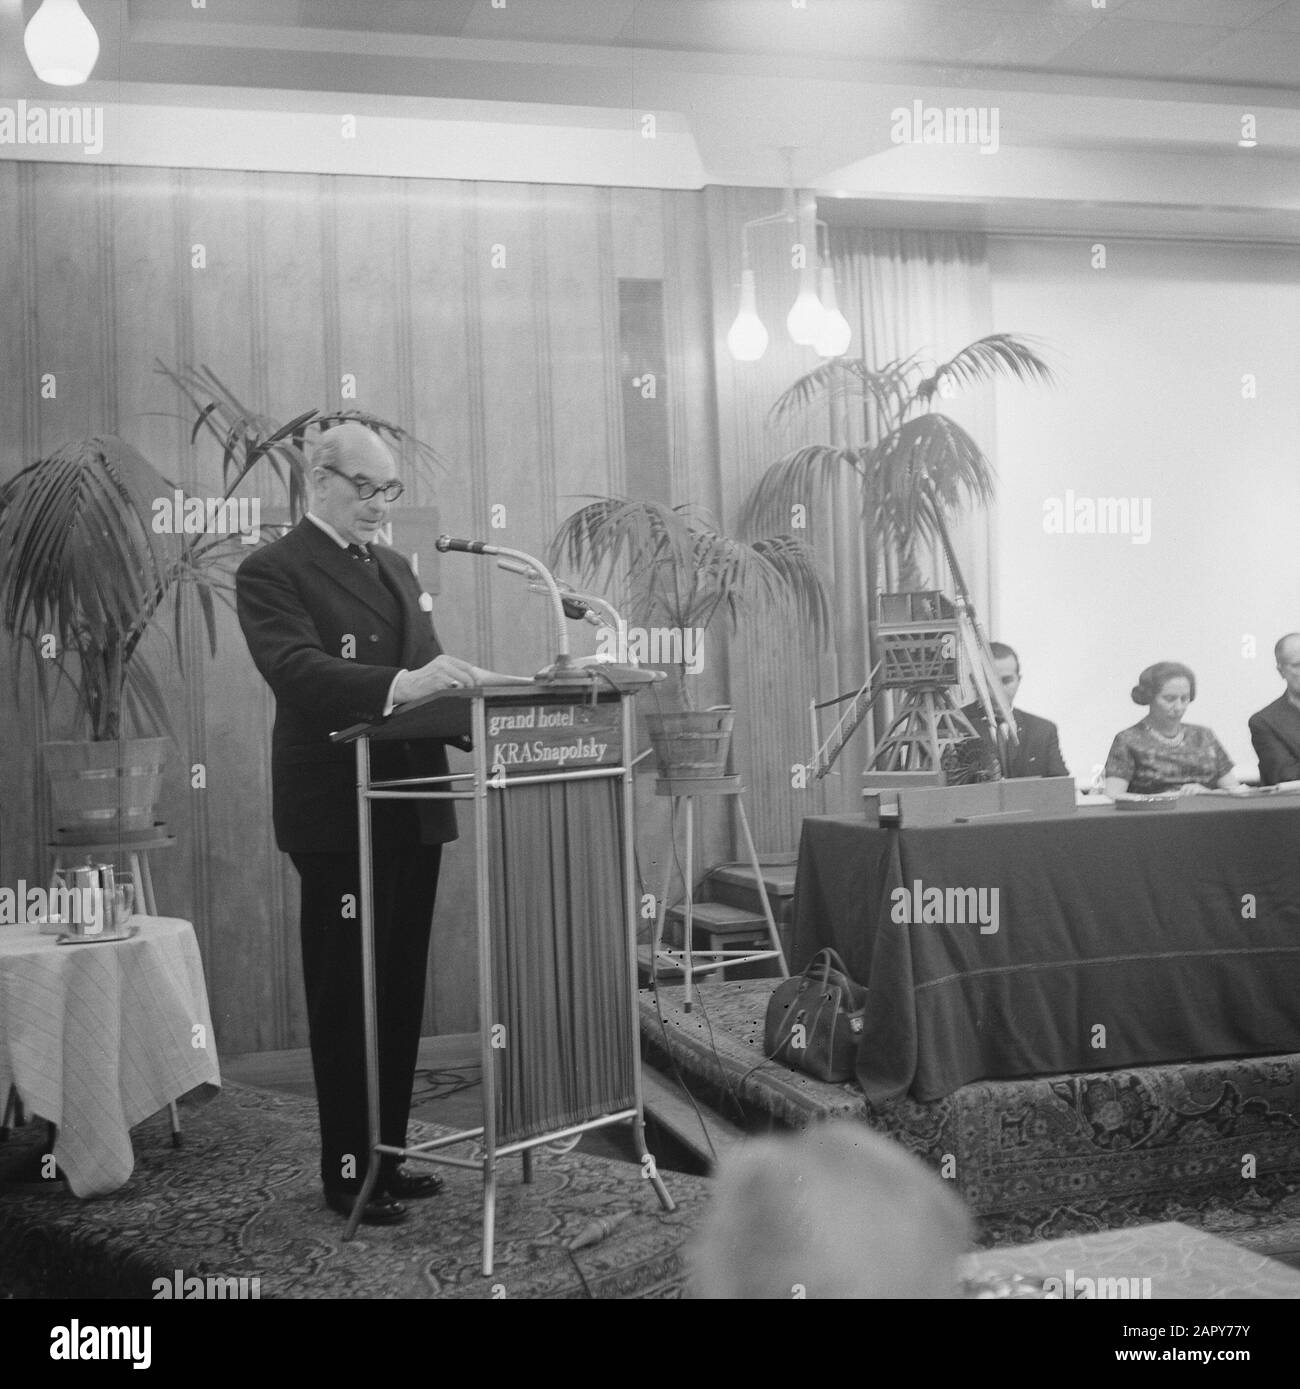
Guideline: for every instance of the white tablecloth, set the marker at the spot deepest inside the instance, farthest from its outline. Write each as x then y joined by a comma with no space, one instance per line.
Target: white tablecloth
1169,1260
97,1037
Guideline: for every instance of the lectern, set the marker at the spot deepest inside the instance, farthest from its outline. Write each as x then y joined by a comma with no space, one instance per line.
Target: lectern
556,914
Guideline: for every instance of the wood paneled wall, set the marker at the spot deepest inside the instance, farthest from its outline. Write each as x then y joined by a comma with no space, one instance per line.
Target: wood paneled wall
483,317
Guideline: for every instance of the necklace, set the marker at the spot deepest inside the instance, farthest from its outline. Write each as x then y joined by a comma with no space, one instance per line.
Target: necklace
1172,739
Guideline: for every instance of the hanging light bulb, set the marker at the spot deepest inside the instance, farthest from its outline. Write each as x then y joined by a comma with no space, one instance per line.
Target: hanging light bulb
806,313
833,341
747,338
61,43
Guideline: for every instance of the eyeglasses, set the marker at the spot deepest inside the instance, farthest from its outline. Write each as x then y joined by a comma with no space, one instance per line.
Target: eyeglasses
365,490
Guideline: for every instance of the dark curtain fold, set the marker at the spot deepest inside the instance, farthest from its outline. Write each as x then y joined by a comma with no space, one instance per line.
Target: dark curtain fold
560,944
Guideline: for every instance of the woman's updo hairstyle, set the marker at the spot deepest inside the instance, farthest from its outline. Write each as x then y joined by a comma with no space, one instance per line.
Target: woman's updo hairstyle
1154,678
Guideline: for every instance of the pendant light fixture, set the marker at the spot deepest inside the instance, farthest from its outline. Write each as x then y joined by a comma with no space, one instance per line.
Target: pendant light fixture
62,45
814,319
747,338
836,334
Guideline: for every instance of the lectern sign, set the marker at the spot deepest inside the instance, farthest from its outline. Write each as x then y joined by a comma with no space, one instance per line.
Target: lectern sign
527,739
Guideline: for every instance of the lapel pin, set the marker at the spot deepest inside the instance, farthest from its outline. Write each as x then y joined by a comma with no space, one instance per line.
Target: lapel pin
426,603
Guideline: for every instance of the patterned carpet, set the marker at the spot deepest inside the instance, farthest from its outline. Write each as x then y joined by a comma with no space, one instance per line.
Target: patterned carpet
1215,1145
241,1199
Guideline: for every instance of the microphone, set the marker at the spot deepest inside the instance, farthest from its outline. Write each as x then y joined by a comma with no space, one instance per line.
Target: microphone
575,608
563,665
578,611
469,547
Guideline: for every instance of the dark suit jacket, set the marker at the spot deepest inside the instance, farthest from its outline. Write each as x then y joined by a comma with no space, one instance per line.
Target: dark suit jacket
1275,732
1038,753
299,600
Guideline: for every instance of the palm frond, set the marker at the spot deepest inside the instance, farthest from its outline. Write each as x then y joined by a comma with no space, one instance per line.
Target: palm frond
802,478
643,545
78,559
800,584
928,454
1006,355
680,570
886,387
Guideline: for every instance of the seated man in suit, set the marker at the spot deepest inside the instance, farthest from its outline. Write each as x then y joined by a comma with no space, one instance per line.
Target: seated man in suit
1038,752
1275,730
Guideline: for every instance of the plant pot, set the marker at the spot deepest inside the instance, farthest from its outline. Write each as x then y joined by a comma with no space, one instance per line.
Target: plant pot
692,745
103,791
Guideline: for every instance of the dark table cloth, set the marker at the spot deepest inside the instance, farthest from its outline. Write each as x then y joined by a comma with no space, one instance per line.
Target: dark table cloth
1124,939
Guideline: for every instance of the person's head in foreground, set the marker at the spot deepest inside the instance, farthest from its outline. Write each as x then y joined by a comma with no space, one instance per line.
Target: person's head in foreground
836,1211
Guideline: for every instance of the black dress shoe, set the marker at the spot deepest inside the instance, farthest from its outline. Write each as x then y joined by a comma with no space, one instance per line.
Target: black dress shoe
381,1209
406,1186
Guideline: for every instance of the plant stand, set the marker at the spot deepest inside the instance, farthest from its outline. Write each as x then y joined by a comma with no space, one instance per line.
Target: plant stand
684,793
136,848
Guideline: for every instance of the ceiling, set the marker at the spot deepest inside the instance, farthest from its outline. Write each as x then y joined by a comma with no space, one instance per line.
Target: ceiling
1120,104
431,47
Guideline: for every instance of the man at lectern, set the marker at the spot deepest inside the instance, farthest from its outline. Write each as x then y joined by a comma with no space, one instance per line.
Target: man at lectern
1038,752
1275,729
341,632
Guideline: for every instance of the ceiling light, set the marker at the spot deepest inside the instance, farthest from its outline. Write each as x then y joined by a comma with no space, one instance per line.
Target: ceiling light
747,338
61,43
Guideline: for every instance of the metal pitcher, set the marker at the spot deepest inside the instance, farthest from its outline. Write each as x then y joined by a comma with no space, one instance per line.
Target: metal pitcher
106,884
87,900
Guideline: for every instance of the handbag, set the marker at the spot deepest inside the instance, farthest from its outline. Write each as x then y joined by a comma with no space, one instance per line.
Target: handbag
814,1019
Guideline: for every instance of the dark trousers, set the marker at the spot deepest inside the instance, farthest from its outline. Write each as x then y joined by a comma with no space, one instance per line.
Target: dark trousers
405,884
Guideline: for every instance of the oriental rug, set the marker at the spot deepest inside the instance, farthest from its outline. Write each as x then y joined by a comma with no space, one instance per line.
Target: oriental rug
1214,1144
241,1199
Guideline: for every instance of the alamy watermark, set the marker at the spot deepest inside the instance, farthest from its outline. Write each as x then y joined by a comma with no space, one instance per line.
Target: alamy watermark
29,123
182,515
24,906
1071,515
73,1341
920,124
946,906
655,646
209,1286
1079,1286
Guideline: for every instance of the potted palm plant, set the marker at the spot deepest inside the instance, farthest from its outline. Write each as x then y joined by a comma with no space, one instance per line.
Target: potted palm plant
81,579
86,574
677,575
917,466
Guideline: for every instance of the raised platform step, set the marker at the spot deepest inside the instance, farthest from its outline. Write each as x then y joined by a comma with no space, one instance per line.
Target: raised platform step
736,884
719,918
688,1119
1033,1157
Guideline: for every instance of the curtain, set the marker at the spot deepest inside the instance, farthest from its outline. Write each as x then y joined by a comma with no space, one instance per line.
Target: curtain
904,293
561,957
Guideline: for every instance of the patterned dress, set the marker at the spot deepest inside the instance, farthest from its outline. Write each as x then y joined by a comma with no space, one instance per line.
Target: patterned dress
1151,765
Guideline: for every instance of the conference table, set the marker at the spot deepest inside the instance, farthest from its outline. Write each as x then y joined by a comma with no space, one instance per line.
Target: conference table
1102,939
98,1036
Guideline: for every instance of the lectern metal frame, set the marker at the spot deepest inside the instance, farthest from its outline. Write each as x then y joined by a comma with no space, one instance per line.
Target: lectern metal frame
479,784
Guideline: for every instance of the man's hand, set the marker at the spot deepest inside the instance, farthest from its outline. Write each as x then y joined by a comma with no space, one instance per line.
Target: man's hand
447,673
441,673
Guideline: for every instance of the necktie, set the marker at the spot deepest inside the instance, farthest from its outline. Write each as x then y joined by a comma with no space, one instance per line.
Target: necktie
360,552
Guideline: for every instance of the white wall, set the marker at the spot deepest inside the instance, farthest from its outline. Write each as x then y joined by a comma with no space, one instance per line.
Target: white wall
1152,350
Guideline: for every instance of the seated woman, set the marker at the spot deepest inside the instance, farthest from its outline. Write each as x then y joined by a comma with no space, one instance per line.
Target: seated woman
1162,753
